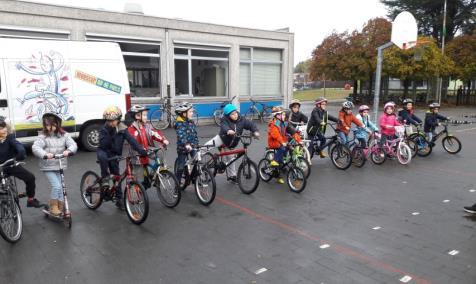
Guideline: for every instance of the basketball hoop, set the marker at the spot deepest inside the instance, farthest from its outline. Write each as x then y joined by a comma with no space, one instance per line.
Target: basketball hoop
404,31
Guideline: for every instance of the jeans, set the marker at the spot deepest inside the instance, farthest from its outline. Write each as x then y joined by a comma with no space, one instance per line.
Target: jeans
27,177
343,137
385,138
181,160
54,178
279,153
107,166
430,135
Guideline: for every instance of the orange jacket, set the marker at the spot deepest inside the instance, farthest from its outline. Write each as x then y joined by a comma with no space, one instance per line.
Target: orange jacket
277,133
345,120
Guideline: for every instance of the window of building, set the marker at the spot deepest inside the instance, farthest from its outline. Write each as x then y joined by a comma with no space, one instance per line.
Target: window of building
33,33
201,71
260,72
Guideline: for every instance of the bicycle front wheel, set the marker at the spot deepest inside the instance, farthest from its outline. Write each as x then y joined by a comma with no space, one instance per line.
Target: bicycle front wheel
341,157
90,188
358,157
159,119
451,144
205,186
136,203
248,179
11,222
296,179
168,189
404,153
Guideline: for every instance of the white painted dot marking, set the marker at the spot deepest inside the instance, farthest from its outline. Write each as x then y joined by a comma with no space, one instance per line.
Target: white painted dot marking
446,201
405,279
415,213
376,228
324,246
472,190
261,270
453,252
404,182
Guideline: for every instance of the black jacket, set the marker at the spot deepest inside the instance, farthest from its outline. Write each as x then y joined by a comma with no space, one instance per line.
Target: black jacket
317,116
11,148
238,126
410,117
431,121
111,141
297,117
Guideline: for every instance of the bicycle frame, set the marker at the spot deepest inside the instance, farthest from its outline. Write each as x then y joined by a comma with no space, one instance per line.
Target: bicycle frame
444,132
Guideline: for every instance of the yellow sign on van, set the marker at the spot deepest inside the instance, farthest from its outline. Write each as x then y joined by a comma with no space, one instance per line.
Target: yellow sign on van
97,81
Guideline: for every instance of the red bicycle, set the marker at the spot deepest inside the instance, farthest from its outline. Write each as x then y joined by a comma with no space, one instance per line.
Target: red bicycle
247,177
135,196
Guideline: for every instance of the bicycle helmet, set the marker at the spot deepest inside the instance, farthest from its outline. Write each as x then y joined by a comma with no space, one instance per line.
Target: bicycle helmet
389,104
363,108
181,108
434,105
53,115
228,109
295,102
348,105
277,110
138,108
320,101
112,113
407,101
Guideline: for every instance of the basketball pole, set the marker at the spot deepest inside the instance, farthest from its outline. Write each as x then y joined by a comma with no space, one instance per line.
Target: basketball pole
378,74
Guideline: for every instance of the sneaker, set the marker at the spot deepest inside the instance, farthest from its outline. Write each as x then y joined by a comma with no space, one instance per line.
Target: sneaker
120,205
280,180
232,179
274,163
34,203
322,154
470,209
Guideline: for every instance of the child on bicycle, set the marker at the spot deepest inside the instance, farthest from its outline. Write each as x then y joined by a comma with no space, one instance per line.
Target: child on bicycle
187,136
278,130
407,115
296,116
387,122
346,118
51,141
111,141
145,135
362,133
10,148
316,127
432,120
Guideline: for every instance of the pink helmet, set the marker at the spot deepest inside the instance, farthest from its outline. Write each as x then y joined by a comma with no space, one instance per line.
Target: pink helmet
320,100
363,108
389,104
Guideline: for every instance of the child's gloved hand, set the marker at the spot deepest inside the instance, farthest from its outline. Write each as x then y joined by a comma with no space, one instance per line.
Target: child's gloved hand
188,147
166,142
230,132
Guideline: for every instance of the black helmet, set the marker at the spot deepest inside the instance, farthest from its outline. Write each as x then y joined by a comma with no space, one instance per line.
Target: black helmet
407,101
434,105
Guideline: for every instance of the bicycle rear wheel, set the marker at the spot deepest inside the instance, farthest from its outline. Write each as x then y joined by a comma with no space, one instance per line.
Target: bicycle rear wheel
296,179
358,157
159,118
91,192
265,170
11,221
205,186
136,202
341,157
248,179
424,148
451,144
167,188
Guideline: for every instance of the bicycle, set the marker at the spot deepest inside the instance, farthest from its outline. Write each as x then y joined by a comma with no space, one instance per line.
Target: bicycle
218,112
302,130
295,156
417,141
163,180
247,170
358,152
135,197
392,148
295,177
65,216
11,221
253,112
340,154
163,117
196,171
450,143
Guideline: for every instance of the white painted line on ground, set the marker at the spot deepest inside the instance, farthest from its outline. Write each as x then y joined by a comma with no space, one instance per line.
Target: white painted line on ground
464,130
376,228
324,246
261,270
446,201
415,213
405,279
453,252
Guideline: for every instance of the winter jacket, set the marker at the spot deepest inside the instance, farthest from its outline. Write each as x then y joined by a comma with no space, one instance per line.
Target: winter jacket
277,133
53,144
297,117
186,133
11,148
346,121
111,141
432,120
387,123
317,116
362,132
409,117
230,141
145,135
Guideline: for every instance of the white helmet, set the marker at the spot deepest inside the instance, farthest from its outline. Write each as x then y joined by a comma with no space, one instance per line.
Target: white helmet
181,108
348,105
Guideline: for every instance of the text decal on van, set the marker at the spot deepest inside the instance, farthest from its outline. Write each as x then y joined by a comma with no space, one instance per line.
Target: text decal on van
97,81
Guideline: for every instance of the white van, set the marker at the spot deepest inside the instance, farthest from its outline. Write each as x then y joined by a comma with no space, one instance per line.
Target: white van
77,80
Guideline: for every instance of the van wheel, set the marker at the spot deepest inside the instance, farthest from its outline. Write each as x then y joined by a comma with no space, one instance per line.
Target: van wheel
90,137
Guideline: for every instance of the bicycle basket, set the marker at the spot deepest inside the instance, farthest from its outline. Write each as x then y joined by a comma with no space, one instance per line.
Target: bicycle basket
302,131
399,131
246,140
409,130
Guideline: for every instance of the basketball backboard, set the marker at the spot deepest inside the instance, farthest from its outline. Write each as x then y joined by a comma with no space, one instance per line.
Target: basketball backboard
404,30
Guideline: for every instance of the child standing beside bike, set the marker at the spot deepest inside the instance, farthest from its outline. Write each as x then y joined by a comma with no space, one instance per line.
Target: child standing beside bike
387,122
346,118
187,136
278,129
145,135
362,134
111,141
432,120
51,141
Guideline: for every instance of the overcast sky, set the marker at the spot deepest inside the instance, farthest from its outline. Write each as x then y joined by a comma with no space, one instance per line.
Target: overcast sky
310,21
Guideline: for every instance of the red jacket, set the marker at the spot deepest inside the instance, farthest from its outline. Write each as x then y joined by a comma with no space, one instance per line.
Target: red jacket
277,131
346,122
145,135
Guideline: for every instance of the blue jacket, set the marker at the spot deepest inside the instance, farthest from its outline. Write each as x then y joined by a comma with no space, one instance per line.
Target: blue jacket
11,148
432,120
409,117
361,132
186,134
111,141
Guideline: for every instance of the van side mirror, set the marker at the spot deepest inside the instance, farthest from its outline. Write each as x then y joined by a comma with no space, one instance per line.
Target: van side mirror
3,103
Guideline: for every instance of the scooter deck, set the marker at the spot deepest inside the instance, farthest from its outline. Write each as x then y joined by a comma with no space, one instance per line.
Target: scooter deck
57,217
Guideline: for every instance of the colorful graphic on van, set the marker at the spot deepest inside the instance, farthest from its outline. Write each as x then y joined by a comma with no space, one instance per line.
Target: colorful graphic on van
44,86
97,81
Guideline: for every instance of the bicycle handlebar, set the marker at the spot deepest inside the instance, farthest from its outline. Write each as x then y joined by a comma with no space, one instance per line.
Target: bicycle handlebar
13,162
